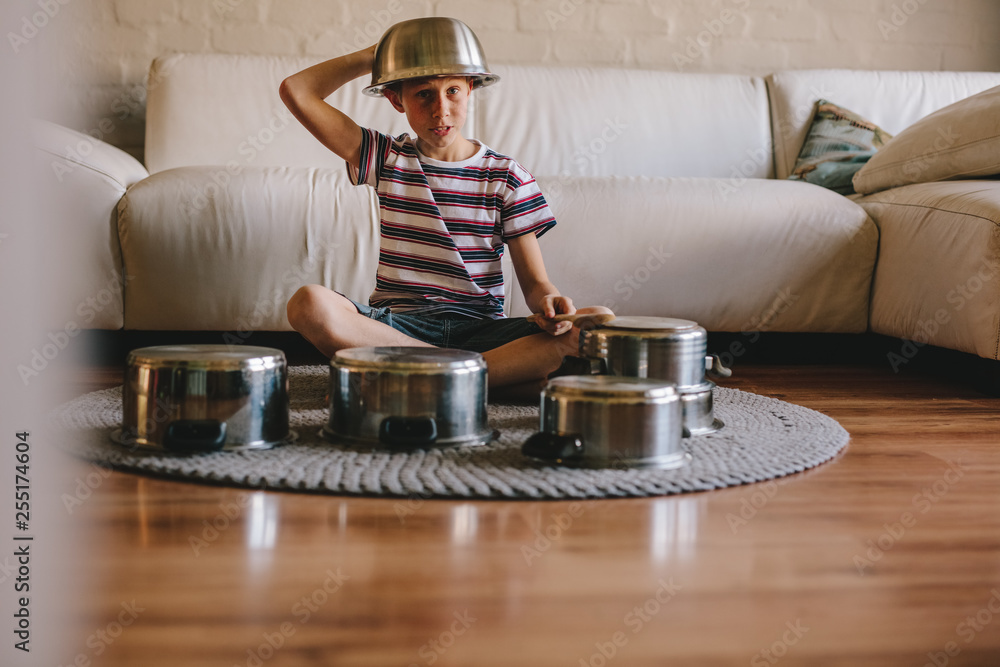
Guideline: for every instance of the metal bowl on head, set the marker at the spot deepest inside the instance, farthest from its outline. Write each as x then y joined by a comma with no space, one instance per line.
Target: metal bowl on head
433,46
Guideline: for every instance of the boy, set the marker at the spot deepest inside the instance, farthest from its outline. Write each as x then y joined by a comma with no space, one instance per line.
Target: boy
447,204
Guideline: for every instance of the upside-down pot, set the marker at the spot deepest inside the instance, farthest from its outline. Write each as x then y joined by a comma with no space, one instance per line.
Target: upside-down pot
204,398
407,398
662,348
600,421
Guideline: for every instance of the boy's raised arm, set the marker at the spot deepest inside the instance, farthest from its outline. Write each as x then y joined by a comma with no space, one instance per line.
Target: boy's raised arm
304,94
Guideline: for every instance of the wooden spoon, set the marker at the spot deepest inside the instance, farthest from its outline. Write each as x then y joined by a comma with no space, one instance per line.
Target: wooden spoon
586,320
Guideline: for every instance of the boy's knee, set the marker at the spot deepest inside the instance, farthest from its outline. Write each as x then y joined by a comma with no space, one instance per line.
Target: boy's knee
303,304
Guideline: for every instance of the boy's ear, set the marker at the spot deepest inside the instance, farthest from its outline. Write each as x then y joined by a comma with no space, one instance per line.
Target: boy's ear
393,98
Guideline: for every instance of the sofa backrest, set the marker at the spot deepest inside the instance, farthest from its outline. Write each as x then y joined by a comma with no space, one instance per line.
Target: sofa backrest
219,109
590,121
891,100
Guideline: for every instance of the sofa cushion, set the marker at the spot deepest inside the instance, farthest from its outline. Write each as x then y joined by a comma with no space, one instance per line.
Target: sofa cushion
839,143
938,274
891,100
216,251
960,141
220,109
591,121
756,255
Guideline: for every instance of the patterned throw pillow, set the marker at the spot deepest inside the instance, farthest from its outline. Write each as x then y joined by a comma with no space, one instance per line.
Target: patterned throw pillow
837,145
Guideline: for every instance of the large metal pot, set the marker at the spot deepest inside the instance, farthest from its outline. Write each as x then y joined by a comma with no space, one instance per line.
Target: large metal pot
661,348
407,397
202,398
432,46
599,421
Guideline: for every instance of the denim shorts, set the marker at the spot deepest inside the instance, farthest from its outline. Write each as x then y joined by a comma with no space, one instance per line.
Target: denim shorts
475,335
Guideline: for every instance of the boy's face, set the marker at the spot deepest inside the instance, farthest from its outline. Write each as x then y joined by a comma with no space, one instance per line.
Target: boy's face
435,109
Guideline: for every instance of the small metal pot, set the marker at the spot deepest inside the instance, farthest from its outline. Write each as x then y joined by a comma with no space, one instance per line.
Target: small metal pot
407,398
204,398
599,421
655,347
661,348
698,410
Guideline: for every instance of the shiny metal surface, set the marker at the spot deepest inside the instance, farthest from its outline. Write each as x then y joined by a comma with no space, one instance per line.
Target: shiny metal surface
621,422
650,347
402,397
241,390
433,46
697,408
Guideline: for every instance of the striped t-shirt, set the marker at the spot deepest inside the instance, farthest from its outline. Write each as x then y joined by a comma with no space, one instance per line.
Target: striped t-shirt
443,225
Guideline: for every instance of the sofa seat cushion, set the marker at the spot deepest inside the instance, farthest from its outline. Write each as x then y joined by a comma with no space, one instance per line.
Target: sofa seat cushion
938,274
206,249
747,255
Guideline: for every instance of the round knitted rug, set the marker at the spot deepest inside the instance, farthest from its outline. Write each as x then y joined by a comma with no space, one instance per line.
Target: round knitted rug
763,438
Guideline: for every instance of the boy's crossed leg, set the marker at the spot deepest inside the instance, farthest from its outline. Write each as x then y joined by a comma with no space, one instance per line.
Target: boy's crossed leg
331,322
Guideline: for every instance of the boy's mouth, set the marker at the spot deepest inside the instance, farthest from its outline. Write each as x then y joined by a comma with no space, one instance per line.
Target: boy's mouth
441,131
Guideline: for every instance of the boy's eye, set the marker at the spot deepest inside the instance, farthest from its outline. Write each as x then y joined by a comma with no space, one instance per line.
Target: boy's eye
453,90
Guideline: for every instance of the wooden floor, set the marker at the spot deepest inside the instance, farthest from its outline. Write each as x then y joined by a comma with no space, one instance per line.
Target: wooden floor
888,555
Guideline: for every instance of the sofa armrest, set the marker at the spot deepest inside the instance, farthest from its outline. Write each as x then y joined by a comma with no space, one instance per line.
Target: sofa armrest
80,181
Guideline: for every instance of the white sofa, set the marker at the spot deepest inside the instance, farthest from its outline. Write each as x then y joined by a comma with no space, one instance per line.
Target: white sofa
669,189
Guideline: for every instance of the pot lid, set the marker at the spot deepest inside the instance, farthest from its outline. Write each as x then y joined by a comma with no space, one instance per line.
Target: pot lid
205,356
646,323
407,358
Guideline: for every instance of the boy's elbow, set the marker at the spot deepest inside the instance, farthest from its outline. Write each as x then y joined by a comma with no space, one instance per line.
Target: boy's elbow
286,91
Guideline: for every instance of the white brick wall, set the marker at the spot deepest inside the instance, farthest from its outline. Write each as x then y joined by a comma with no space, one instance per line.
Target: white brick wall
93,51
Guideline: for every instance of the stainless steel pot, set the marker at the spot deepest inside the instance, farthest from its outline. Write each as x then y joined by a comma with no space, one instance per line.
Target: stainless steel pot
600,421
431,46
655,347
202,398
661,348
407,397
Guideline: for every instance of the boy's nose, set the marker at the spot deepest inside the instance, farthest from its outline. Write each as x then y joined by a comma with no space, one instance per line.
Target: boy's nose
439,107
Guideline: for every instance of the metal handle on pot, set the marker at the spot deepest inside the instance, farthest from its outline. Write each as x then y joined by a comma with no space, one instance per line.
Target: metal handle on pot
713,364
553,446
189,436
407,431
